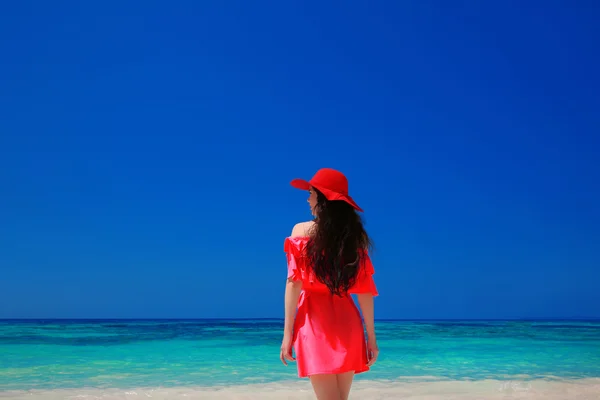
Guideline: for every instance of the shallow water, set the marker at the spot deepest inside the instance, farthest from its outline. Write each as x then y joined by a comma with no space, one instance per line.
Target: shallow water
43,355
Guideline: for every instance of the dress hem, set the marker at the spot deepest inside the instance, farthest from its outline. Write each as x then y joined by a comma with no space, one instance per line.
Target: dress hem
334,372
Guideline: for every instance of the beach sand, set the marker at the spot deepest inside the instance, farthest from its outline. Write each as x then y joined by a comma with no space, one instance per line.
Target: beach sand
552,389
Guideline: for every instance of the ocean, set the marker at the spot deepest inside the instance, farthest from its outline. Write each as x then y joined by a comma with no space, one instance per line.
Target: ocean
68,357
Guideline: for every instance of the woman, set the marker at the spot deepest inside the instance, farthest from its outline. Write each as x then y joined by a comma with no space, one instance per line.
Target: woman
328,260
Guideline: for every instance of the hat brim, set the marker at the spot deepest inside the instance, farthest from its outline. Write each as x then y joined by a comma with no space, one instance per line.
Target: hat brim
329,194
333,196
300,184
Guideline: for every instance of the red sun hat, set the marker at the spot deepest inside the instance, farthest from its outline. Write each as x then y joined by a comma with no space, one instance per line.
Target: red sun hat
332,183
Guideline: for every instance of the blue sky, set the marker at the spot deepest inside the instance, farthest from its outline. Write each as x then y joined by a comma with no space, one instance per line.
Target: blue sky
146,150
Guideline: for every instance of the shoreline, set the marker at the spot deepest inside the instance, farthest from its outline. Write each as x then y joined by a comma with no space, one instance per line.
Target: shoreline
424,388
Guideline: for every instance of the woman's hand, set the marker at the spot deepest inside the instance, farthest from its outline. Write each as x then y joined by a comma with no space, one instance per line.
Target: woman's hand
372,351
286,350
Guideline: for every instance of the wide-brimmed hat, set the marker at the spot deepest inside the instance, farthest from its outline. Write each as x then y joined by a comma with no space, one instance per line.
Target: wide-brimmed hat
332,183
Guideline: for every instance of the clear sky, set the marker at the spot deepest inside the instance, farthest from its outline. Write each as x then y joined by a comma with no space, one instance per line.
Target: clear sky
146,150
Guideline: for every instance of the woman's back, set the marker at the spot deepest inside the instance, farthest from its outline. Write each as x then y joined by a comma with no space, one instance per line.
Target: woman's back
300,268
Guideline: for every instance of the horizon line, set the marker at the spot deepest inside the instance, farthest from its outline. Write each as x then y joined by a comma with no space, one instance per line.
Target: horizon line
282,319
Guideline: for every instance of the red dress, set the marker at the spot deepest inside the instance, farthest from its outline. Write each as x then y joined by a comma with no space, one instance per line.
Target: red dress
328,331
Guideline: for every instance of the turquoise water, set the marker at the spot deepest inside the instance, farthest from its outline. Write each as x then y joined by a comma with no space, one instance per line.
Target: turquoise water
125,354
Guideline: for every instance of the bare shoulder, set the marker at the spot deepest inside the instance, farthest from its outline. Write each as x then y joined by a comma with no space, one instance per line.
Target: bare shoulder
302,229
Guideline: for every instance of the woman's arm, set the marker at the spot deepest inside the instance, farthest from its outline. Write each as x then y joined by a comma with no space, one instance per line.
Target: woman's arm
292,293
293,288
365,300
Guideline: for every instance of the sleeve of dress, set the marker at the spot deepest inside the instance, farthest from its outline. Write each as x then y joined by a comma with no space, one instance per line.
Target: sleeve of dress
294,272
364,281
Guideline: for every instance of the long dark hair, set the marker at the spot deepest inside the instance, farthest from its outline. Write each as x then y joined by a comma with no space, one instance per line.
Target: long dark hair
336,242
